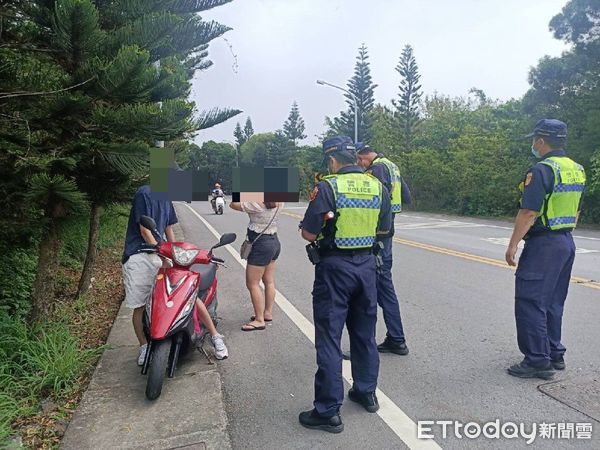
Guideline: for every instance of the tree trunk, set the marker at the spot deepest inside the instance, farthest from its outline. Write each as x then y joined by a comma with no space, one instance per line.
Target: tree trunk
43,286
90,257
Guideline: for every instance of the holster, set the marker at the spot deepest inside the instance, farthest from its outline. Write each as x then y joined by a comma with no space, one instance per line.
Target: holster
377,249
312,250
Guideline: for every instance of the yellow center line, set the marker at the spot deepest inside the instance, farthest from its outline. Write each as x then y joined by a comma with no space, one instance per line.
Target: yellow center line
469,256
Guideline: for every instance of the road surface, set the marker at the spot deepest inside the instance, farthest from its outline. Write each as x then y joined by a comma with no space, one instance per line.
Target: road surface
456,295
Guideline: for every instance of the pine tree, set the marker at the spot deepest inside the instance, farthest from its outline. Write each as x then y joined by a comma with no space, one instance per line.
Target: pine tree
108,65
362,87
248,130
294,125
238,133
407,111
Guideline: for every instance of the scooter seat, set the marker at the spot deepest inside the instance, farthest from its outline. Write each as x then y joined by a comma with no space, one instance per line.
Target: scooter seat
207,274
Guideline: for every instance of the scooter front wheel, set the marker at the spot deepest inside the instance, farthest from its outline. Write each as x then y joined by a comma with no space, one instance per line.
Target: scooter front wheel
157,368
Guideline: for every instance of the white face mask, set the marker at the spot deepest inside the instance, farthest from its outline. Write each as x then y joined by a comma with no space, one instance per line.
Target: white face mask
535,152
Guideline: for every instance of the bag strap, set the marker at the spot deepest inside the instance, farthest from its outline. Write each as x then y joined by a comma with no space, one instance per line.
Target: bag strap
270,222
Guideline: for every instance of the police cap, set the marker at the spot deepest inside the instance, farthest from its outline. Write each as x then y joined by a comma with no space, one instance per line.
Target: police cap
550,128
338,144
362,147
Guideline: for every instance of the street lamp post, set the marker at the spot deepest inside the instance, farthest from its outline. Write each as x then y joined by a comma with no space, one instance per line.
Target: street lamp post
325,83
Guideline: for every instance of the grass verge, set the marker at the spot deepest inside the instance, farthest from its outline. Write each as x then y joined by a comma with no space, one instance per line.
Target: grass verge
44,369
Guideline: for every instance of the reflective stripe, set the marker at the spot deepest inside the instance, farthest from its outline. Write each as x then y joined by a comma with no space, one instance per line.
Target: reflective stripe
345,202
561,221
569,188
355,242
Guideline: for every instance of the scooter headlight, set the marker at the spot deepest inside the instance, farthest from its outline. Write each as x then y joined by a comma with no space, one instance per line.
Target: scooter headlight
184,257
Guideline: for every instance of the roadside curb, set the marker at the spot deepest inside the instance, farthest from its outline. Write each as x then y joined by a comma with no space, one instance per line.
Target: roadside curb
114,413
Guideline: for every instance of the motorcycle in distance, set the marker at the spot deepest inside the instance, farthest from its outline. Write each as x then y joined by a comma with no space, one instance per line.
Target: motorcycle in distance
171,323
218,204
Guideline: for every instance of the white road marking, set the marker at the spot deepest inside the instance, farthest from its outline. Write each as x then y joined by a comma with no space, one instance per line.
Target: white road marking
402,425
504,242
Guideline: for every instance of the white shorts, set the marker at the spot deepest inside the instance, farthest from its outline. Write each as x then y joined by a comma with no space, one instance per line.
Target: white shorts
139,272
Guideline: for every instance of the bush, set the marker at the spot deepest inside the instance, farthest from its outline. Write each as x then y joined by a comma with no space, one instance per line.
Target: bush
113,225
17,274
36,362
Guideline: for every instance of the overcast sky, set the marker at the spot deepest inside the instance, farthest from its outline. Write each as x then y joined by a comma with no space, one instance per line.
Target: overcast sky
282,47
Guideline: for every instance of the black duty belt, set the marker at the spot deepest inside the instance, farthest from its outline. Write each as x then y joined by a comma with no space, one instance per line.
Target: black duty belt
546,233
343,252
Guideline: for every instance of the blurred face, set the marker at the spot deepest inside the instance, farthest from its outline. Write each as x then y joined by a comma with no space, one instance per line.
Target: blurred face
364,160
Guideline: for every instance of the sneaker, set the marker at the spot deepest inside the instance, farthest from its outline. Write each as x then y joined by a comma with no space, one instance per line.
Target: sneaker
558,362
220,348
368,400
142,354
524,370
389,346
311,419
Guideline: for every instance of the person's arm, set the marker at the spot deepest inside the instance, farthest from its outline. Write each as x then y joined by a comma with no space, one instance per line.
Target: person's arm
170,234
148,236
534,192
579,208
308,236
236,205
384,224
523,222
321,202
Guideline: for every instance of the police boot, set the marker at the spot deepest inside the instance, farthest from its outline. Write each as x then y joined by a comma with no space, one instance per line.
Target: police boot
524,370
368,400
558,362
311,419
389,346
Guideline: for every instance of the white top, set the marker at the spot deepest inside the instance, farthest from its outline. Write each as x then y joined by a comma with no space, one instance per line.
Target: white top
260,217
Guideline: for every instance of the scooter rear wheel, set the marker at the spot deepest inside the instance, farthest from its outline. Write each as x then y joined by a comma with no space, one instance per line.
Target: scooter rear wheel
157,368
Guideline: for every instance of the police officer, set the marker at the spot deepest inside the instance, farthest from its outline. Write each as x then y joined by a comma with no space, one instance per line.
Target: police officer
552,193
346,212
388,173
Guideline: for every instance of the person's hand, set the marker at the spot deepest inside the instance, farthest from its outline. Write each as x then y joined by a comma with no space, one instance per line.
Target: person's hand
511,254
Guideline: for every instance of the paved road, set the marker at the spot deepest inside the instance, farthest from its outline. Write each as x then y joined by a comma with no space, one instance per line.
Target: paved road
457,306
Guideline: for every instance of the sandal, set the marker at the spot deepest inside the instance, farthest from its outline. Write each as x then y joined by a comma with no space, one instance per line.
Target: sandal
252,327
266,320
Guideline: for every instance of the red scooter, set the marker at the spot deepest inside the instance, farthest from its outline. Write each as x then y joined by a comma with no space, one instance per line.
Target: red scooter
171,322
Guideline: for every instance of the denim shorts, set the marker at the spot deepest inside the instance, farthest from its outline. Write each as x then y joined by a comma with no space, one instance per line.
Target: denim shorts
264,249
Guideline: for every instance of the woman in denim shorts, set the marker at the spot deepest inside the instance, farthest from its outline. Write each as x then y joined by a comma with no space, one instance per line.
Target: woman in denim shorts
261,261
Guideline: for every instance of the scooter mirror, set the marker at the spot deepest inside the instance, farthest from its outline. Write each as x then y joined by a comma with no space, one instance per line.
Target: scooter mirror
148,222
226,238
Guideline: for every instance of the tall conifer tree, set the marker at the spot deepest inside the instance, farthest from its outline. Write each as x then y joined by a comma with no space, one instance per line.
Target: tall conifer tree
407,114
294,126
362,87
